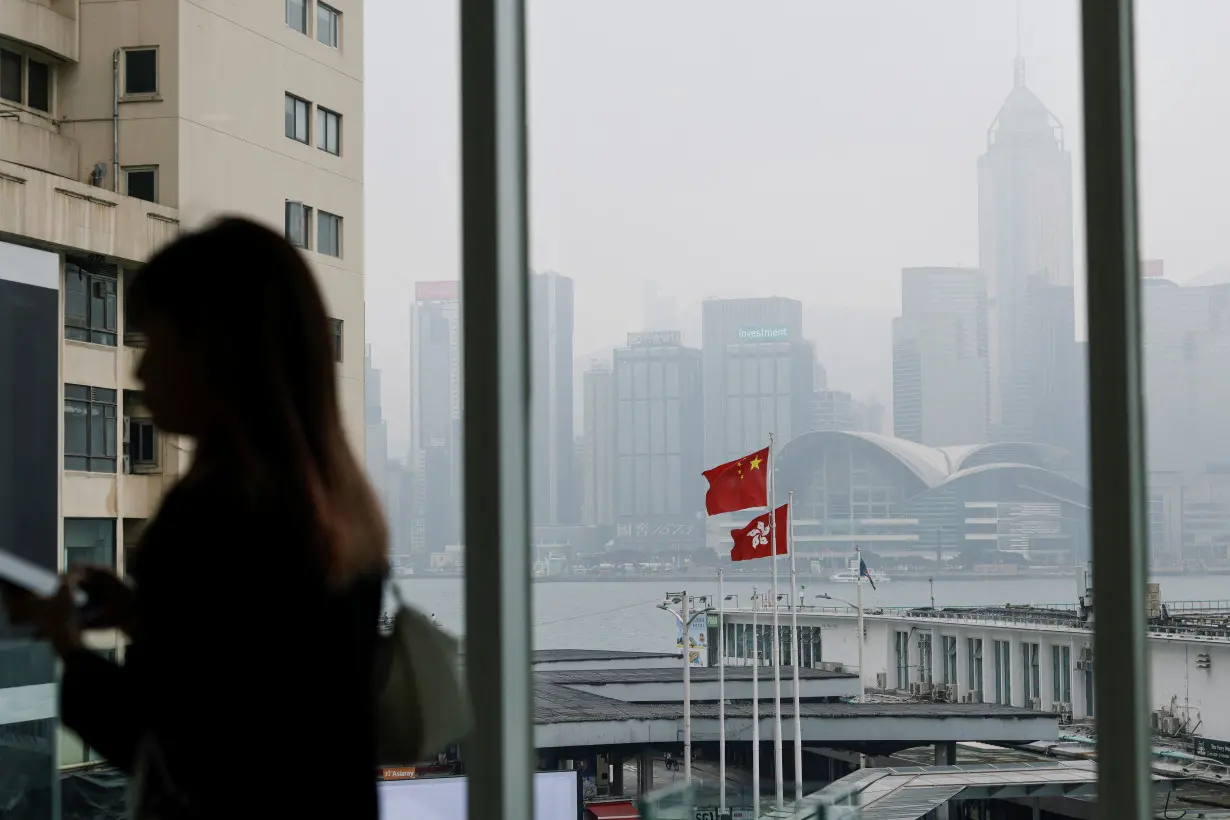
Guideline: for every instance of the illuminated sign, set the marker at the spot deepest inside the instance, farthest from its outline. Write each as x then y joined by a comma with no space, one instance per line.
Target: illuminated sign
656,338
435,291
764,334
646,531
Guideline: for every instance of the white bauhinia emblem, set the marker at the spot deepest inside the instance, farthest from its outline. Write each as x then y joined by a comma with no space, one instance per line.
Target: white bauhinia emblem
760,535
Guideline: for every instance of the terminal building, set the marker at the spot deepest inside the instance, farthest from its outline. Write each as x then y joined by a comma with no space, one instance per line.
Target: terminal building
904,502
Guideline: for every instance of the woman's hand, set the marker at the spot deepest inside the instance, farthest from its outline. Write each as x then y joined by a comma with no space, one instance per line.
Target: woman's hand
109,599
54,618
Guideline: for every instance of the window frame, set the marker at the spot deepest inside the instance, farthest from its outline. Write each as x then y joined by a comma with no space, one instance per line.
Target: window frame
26,59
291,124
323,116
125,93
336,25
94,397
92,278
141,169
306,31
305,219
321,218
136,461
337,338
94,519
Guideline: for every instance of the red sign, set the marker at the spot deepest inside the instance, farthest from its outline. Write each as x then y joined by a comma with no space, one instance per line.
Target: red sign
1152,269
435,291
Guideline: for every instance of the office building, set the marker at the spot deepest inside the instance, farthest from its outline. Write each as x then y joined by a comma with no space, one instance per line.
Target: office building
598,446
1025,249
553,498
659,489
435,416
941,357
122,124
376,432
758,374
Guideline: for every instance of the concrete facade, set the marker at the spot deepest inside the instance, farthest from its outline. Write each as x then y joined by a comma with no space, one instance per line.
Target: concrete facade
138,119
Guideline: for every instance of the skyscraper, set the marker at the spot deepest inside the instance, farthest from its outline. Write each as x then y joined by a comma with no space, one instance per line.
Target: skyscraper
435,415
659,490
598,462
940,357
552,447
376,440
758,374
1025,249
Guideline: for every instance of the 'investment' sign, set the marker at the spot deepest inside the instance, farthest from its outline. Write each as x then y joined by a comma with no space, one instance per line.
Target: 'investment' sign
763,334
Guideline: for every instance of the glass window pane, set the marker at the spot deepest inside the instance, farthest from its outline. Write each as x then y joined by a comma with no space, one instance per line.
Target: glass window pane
39,85
141,71
12,78
296,15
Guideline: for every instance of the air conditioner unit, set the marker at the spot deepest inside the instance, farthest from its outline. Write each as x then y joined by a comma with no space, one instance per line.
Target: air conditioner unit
881,680
914,688
975,697
1155,719
1035,704
950,693
1171,725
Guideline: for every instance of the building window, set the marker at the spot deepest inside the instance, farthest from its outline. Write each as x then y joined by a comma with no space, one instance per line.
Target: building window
1061,673
12,76
38,85
925,659
902,647
89,429
90,306
142,182
297,15
1003,673
1029,669
335,336
329,234
297,118
328,24
973,648
140,446
950,660
141,71
298,224
328,130
89,541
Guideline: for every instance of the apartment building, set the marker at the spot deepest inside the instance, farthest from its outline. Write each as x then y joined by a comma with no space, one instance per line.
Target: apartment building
122,123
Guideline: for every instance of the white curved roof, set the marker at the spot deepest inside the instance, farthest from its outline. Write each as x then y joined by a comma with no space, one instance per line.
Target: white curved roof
937,465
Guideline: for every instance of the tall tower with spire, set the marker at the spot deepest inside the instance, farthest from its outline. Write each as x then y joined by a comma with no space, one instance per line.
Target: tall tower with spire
1025,248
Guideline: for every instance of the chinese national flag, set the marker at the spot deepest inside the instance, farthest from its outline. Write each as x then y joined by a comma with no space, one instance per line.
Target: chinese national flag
738,485
755,540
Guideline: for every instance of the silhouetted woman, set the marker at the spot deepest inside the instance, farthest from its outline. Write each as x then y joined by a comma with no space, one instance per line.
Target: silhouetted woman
247,689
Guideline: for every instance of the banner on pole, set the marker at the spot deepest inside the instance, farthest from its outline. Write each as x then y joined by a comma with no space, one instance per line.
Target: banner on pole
698,640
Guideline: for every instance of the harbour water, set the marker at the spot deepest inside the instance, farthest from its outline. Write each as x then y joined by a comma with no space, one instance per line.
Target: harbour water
622,615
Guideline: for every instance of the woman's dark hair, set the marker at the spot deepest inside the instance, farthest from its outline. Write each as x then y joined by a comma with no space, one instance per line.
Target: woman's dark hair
244,300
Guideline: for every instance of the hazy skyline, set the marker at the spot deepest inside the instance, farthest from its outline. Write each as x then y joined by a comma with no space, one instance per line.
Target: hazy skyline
804,150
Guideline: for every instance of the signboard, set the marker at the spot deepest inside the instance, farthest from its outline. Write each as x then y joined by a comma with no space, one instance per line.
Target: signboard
733,812
435,291
764,334
698,639
444,798
653,531
656,338
1218,750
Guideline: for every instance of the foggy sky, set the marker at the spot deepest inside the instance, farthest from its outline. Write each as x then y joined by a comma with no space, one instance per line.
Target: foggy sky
802,148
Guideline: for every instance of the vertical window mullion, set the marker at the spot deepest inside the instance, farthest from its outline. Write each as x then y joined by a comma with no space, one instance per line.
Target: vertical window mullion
496,435
1117,441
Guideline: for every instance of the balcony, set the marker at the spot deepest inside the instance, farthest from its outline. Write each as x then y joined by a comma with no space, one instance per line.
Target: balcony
50,25
33,144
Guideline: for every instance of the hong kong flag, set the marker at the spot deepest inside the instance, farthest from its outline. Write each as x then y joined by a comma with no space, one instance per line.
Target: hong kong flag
756,541
738,485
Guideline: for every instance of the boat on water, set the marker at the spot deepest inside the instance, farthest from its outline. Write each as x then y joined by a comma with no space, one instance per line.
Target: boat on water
849,576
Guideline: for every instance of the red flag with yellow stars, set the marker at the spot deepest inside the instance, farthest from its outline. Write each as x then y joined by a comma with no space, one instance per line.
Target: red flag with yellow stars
737,485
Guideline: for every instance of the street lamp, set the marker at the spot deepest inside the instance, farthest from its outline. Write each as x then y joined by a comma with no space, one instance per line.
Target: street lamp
685,623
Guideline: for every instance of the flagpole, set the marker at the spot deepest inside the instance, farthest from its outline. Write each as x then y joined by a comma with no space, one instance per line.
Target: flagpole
755,705
722,690
779,786
796,650
858,557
